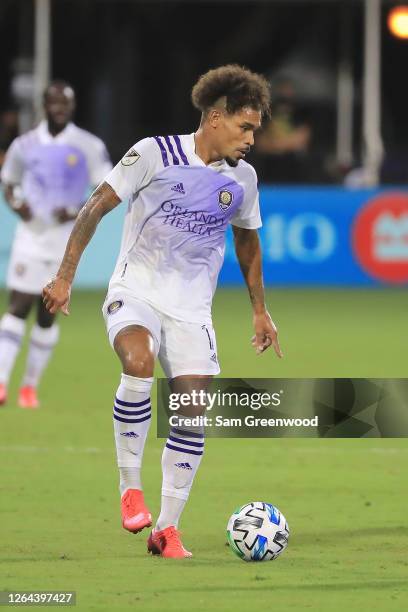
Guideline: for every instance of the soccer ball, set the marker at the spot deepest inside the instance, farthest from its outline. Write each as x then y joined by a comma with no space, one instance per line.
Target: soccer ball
257,532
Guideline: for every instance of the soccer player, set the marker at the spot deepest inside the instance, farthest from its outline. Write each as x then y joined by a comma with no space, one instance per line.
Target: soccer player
46,175
182,192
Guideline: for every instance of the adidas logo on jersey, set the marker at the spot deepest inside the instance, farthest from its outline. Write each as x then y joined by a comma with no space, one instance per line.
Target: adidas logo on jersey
183,466
130,434
179,188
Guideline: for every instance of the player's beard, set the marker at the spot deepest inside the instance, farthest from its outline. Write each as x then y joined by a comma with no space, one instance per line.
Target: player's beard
232,162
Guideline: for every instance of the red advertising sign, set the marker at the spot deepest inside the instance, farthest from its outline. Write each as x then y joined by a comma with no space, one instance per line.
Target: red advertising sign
380,237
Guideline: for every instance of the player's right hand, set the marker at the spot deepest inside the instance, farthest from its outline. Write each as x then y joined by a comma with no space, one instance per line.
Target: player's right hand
56,296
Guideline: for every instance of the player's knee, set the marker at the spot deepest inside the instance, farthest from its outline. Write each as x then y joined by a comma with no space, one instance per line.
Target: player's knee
137,367
136,352
20,305
19,312
137,363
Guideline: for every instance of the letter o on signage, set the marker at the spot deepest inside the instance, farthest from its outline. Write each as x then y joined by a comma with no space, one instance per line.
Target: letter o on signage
325,237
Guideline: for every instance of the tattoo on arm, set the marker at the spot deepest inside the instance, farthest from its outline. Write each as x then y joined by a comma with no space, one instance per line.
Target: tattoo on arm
103,200
248,252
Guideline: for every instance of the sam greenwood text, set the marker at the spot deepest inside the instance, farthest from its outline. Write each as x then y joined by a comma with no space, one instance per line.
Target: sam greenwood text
248,421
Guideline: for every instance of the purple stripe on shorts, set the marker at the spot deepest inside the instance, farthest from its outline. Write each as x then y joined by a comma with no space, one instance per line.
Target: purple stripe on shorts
180,150
162,150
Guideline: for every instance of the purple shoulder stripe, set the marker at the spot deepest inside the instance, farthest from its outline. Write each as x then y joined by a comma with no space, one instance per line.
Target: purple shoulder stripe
162,150
176,160
180,150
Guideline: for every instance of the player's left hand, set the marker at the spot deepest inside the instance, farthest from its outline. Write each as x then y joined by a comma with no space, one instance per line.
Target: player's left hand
266,334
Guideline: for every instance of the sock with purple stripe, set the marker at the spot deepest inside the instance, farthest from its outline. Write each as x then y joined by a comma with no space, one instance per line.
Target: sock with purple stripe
11,335
180,461
132,415
42,343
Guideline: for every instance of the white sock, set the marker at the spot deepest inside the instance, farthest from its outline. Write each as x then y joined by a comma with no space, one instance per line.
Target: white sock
42,343
132,415
181,458
11,335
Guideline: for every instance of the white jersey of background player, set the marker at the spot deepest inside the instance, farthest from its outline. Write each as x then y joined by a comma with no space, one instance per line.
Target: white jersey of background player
46,173
181,192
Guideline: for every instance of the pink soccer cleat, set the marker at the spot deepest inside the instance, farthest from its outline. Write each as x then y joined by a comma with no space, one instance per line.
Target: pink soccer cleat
27,397
135,515
3,394
167,543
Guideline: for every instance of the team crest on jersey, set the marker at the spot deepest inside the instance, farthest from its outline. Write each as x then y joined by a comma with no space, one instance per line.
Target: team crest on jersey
130,158
115,306
225,198
20,269
72,159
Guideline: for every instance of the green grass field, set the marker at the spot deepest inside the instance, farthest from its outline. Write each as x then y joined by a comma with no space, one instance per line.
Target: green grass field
345,500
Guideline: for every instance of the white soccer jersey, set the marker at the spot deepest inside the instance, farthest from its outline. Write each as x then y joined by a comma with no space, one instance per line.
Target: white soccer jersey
174,232
53,172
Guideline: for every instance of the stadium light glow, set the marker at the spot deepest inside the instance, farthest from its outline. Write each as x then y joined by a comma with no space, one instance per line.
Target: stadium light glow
398,21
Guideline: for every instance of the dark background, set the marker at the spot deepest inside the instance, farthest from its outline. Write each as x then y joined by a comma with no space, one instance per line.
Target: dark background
134,63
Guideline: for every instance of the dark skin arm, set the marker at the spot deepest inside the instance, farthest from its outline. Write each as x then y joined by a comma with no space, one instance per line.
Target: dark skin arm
56,294
21,209
248,250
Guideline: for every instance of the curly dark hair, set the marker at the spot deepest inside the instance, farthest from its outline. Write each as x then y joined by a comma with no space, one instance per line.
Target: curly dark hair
240,86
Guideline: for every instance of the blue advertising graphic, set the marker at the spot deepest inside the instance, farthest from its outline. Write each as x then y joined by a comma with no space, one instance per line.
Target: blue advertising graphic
310,236
331,236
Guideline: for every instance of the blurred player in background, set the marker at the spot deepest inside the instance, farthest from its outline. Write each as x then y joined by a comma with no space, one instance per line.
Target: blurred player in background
182,193
46,175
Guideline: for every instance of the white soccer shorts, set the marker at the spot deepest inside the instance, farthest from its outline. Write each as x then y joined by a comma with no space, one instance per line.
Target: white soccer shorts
182,348
29,275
